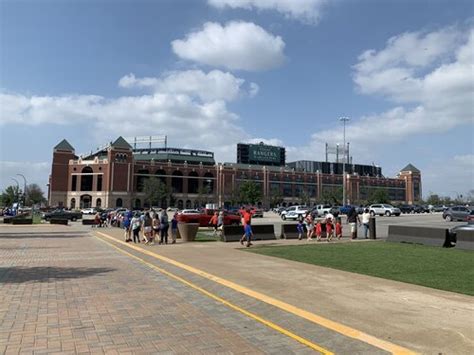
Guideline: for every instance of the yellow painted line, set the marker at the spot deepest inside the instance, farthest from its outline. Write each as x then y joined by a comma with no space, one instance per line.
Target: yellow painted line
327,323
227,303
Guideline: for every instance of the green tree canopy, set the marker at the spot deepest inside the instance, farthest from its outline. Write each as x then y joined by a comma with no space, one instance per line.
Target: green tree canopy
34,194
250,192
10,195
155,191
379,196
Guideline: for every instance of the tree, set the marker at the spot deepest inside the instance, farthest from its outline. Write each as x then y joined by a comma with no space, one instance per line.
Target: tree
250,192
34,194
156,192
433,199
379,196
276,197
10,195
305,198
332,196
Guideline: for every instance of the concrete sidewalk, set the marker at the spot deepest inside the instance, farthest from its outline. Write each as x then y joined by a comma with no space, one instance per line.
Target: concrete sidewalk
419,318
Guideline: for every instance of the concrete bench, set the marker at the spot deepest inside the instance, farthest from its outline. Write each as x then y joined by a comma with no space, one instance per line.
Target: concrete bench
289,231
465,239
62,221
21,221
89,222
260,232
418,235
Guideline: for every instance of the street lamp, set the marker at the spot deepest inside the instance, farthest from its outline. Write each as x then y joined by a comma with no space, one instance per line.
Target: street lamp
24,189
344,120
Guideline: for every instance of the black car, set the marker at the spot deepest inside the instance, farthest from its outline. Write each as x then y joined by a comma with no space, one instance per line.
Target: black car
406,208
62,214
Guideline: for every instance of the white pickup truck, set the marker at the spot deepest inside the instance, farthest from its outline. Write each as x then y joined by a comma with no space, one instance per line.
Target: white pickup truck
322,209
294,212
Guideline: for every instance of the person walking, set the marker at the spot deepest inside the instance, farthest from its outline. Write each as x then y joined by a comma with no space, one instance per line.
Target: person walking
213,222
155,224
365,222
164,227
126,227
300,229
136,225
147,224
308,221
246,221
248,235
220,222
174,228
353,220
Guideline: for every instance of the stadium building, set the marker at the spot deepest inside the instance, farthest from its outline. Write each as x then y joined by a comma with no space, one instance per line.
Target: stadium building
114,176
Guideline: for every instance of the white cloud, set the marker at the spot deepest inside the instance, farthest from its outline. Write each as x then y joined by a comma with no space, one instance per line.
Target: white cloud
215,85
306,11
236,45
430,76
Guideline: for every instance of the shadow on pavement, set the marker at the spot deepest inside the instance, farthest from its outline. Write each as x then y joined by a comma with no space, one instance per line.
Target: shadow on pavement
42,236
22,274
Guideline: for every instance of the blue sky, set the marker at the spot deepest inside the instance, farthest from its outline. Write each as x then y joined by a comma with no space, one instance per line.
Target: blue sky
210,74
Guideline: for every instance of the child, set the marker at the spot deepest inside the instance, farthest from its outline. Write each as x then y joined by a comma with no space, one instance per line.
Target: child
248,234
338,230
318,231
174,228
309,226
328,229
299,228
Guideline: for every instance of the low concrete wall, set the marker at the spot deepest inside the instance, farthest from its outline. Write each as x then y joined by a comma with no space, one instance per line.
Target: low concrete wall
419,235
62,221
260,232
465,239
89,222
289,231
22,221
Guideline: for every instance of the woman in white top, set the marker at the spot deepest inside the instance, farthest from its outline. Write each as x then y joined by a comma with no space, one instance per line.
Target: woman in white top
365,221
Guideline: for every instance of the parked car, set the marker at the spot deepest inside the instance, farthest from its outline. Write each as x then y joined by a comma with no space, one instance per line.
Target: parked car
456,213
322,210
438,209
256,212
89,211
406,208
62,214
294,212
383,209
172,209
203,217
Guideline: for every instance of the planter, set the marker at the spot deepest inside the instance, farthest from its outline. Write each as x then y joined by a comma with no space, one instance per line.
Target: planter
62,221
22,221
188,231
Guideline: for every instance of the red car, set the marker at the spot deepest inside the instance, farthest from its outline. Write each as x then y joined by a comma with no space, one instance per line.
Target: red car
204,217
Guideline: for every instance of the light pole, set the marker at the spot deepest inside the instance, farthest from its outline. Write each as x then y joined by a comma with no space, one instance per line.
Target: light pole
344,120
24,189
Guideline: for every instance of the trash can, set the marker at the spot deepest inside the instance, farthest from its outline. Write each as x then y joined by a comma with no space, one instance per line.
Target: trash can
188,231
372,231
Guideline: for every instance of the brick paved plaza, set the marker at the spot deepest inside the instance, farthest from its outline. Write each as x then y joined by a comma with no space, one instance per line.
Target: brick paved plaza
67,290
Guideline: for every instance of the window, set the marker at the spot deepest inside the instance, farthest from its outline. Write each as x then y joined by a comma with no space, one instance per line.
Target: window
98,203
119,203
74,183
86,179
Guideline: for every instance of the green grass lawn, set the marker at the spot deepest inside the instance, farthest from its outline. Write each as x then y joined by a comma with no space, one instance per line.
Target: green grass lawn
444,269
206,237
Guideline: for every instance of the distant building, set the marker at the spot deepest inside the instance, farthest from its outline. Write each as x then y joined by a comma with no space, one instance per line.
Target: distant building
114,175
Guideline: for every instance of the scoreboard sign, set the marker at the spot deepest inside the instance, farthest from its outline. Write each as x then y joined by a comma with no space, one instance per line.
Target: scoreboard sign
264,153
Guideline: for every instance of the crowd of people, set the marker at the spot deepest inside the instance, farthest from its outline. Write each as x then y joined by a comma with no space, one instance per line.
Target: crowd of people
332,226
142,227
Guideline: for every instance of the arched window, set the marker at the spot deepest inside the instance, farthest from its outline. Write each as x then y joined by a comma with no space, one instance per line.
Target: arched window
180,204
141,177
86,180
177,182
193,182
98,203
208,183
119,203
85,201
73,203
188,204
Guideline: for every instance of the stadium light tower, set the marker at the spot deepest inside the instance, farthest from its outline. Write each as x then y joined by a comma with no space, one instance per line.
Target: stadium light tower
344,120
